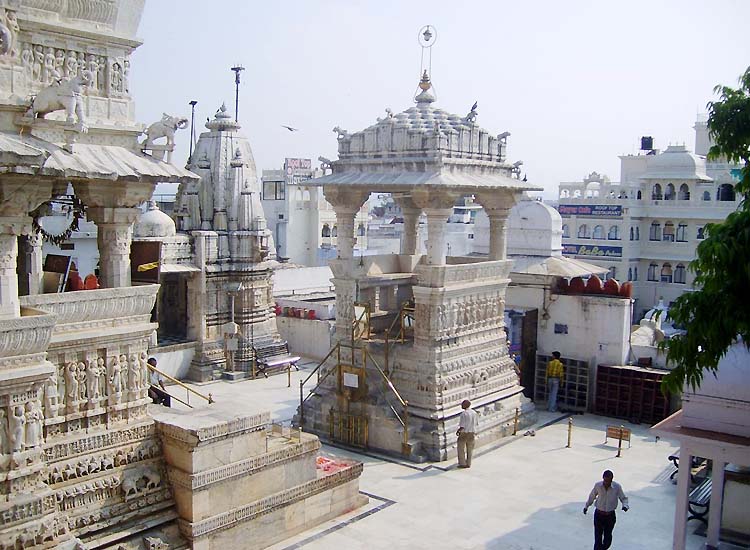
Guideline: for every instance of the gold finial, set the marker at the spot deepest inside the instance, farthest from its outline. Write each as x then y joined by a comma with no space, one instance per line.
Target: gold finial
425,84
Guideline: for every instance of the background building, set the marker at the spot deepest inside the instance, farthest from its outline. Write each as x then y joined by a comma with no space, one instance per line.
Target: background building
646,228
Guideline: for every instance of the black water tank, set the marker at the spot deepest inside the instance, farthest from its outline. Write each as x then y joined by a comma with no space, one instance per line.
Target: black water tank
647,143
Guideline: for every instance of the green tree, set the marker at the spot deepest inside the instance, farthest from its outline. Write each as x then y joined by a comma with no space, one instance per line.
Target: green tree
717,311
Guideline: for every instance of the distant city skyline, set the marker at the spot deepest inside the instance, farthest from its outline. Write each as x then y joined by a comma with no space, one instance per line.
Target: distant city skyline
576,83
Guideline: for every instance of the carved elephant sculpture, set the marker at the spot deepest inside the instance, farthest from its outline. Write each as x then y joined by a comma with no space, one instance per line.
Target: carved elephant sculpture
63,96
166,127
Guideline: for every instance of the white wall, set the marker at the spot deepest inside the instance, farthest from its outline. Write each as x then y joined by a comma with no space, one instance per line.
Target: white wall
308,338
174,360
598,329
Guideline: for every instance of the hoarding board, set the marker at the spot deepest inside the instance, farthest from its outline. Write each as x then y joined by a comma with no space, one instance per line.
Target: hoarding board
593,210
592,251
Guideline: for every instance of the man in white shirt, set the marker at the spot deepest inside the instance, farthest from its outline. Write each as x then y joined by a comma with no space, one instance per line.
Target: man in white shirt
467,425
156,390
605,494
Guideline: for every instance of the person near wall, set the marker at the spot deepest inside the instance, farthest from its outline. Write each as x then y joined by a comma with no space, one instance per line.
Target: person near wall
156,390
467,425
555,377
605,495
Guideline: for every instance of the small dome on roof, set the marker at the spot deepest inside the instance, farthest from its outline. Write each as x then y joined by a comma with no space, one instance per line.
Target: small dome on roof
154,223
677,163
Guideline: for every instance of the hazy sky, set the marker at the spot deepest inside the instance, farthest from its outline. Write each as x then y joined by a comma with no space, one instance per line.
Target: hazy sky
575,82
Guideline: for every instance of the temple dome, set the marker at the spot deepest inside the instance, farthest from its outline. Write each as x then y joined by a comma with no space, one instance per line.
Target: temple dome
154,223
676,162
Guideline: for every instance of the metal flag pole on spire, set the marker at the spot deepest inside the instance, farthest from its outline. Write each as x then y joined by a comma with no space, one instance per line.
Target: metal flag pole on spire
237,70
192,104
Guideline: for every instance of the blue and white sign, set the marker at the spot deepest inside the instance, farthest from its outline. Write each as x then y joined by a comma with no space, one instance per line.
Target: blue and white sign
592,251
593,210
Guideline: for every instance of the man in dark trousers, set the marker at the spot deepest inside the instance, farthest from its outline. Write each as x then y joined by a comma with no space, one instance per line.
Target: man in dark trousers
605,494
156,390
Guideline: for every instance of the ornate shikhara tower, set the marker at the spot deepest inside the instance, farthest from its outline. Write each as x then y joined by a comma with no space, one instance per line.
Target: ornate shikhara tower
233,247
402,394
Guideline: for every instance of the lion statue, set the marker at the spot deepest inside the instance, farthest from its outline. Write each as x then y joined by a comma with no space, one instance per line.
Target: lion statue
166,127
62,95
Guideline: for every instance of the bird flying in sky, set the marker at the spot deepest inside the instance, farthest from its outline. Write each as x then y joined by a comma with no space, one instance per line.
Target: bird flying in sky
290,128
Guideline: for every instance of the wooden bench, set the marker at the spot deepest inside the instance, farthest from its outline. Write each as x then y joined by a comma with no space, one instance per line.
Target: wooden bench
699,500
274,358
618,432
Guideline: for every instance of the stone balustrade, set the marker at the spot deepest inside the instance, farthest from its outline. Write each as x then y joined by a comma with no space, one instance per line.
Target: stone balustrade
94,306
27,334
447,275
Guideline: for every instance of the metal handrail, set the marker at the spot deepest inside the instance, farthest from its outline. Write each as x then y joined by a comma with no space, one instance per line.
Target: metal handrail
190,390
404,403
400,317
302,383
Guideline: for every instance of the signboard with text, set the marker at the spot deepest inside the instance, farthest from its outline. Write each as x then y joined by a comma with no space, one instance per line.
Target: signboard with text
593,210
592,251
297,170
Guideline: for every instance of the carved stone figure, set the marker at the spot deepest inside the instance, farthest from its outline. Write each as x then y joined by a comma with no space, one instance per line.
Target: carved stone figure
64,96
166,127
71,383
126,76
93,68
81,63
34,420
115,379
101,78
51,397
134,374
9,33
71,65
17,422
36,71
81,381
60,63
49,73
4,439
27,60
340,133
116,80
92,380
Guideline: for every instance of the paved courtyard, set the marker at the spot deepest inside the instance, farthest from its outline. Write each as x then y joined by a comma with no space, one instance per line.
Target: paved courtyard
525,494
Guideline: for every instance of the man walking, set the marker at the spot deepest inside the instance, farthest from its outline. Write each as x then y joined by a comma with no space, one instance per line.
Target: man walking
605,494
555,376
467,425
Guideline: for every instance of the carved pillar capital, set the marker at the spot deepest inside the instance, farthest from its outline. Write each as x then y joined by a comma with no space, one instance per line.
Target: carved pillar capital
18,197
108,194
346,203
497,204
114,234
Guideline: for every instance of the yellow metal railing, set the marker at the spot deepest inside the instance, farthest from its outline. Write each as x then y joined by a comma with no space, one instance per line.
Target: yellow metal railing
188,389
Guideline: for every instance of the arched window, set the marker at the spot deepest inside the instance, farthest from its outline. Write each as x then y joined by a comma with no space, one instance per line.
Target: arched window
637,233
577,194
583,232
630,274
700,234
361,230
566,230
679,274
598,232
666,273
564,194
652,272
669,193
654,233
612,273
656,193
632,233
725,192
638,195
326,233
298,194
614,233
635,273
305,194
684,194
668,234
335,231
706,196
682,232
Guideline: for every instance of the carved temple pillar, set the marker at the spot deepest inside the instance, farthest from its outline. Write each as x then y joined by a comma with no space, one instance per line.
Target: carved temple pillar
31,252
114,235
437,205
346,203
411,213
113,207
497,206
10,229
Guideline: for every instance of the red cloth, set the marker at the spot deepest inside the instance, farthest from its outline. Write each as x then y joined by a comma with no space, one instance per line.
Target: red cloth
74,282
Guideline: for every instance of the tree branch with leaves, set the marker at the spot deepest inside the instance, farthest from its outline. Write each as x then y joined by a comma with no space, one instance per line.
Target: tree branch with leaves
718,311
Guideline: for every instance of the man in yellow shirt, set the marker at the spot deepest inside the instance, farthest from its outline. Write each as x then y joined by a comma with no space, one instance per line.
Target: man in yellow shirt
555,377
